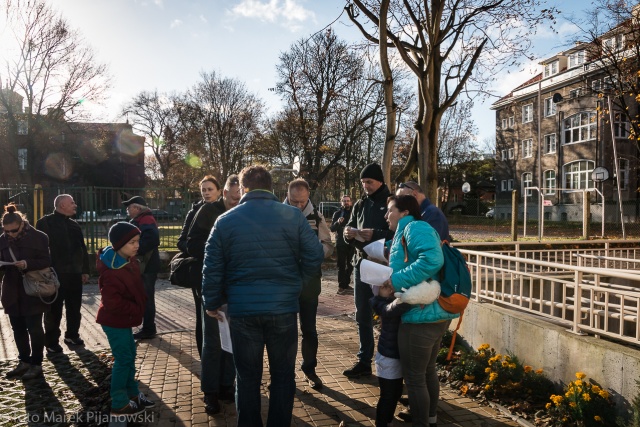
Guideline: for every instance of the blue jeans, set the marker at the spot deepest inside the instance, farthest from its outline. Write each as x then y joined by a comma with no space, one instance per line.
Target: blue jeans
149,318
308,310
249,335
29,337
123,374
364,317
217,366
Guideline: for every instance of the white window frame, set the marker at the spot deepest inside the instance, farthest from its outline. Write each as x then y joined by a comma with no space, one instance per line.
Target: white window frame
576,58
23,127
22,159
550,143
510,154
503,185
551,68
621,126
527,113
503,123
582,127
509,184
549,107
527,148
550,182
504,155
623,165
527,181
596,85
512,122
577,174
615,43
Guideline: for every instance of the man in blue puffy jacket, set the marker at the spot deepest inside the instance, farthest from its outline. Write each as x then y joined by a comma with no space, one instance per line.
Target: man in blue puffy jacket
257,258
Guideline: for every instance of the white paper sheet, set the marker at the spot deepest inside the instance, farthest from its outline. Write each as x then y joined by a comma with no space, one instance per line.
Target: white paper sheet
373,273
225,333
6,263
375,252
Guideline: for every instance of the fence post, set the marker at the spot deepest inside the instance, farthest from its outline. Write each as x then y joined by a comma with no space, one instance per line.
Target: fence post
38,200
514,215
586,215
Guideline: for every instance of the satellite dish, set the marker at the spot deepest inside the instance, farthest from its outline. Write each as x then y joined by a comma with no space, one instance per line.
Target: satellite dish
296,165
557,97
466,187
600,174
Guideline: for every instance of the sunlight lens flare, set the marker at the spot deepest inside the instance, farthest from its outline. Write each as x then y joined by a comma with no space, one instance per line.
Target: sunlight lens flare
193,161
58,166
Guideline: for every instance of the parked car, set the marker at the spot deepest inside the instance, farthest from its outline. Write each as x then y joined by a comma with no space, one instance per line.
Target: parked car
490,213
161,215
113,215
87,216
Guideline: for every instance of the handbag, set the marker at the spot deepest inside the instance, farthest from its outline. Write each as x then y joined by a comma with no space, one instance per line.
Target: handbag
40,283
185,271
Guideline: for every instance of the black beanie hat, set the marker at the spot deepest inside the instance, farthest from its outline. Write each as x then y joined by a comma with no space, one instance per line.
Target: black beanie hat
373,171
120,233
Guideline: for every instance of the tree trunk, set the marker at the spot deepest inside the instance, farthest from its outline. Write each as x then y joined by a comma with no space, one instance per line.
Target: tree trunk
390,107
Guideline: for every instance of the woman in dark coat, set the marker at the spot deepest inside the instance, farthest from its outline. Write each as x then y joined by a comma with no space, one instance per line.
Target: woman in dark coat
30,248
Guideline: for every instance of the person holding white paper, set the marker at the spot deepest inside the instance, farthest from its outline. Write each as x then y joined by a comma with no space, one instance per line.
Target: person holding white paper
415,256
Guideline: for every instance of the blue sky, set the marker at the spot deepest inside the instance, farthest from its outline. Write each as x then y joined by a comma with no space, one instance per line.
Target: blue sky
166,44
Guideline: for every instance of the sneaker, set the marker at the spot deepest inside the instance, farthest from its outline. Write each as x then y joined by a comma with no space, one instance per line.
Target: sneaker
35,371
345,291
314,381
211,403
141,400
74,341
130,408
144,335
55,348
405,416
358,370
18,371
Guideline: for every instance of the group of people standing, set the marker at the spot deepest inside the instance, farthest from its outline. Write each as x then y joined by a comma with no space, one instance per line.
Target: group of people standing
260,260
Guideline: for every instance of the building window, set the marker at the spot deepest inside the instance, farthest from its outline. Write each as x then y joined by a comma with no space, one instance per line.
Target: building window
596,85
550,182
527,181
527,113
579,127
577,175
527,148
22,159
551,69
550,143
614,43
510,151
623,164
510,185
620,125
549,107
23,127
504,123
503,185
512,122
575,93
576,58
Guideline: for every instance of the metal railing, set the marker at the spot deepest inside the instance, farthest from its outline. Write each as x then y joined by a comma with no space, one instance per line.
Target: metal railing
604,301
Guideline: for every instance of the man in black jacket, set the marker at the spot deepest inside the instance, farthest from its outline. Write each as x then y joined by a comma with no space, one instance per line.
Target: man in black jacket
345,250
367,224
70,260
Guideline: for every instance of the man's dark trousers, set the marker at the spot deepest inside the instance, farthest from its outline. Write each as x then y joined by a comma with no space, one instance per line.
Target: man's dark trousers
308,311
69,295
149,317
345,264
364,318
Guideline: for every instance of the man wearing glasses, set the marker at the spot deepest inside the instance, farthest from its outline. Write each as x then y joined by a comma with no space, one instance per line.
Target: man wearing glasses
366,224
430,212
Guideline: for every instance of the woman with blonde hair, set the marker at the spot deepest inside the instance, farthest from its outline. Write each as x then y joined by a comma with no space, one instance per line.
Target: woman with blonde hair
26,249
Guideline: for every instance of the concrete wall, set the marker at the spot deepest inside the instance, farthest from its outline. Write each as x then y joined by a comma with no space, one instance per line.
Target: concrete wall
561,354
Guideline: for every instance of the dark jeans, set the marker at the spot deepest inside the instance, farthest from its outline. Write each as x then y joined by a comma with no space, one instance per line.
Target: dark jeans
218,370
364,318
249,335
29,337
390,392
345,265
197,299
308,310
69,295
419,344
149,317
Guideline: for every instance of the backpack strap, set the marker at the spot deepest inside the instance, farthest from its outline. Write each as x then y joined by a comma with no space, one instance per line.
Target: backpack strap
453,337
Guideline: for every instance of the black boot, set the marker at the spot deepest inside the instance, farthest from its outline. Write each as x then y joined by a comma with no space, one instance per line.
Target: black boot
211,403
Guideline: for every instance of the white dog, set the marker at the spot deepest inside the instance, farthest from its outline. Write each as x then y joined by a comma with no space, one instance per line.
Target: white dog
423,293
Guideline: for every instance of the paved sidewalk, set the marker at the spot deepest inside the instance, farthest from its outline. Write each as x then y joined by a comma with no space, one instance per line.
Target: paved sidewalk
169,370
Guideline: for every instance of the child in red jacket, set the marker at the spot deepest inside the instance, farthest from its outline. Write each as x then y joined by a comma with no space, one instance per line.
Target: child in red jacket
121,308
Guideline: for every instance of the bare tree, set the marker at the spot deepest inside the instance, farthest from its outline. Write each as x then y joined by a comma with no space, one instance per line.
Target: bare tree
448,45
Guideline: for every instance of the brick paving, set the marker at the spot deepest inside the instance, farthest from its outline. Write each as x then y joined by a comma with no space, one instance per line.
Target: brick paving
169,371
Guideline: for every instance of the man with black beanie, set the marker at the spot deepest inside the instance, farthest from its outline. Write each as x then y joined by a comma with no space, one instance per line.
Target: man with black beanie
368,223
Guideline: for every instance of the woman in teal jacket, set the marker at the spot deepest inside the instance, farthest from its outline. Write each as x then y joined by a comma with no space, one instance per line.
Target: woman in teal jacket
415,256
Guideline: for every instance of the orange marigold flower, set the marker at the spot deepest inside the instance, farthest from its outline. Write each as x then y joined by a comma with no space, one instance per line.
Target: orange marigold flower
539,371
528,368
586,397
597,418
580,375
572,404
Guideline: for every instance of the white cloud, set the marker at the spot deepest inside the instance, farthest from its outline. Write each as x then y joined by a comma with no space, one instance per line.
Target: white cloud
289,13
175,23
159,3
203,19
